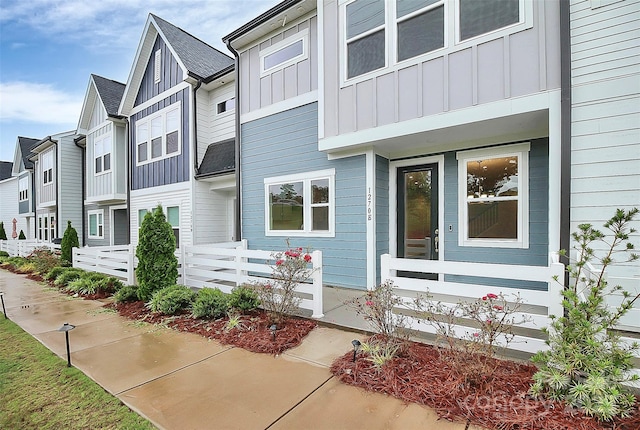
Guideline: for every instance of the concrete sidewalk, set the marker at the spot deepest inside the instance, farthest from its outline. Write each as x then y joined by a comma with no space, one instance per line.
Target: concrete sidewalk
183,381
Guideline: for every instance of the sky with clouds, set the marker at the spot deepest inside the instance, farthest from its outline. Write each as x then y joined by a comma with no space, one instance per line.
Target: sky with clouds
48,49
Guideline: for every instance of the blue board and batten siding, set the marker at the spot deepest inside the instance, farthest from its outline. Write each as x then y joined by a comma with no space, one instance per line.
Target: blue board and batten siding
287,143
168,170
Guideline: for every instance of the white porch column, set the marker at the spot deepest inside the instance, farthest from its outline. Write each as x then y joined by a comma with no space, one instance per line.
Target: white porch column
370,216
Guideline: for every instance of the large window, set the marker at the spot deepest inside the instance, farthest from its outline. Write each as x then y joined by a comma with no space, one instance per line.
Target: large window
284,53
102,153
365,36
493,187
158,135
300,205
47,167
420,27
23,189
479,17
96,224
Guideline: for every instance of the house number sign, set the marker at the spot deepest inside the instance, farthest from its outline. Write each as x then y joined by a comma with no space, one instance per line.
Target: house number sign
369,205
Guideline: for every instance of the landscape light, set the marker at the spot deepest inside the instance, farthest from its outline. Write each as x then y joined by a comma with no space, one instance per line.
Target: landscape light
356,345
66,328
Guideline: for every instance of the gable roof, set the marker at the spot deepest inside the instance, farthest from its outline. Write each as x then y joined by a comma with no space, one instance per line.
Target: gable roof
197,59
110,93
5,170
25,145
220,158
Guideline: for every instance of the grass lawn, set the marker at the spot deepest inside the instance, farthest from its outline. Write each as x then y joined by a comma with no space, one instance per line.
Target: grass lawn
39,391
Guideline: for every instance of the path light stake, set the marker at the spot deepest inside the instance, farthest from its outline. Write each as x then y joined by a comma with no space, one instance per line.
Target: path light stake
4,311
356,345
66,328
273,329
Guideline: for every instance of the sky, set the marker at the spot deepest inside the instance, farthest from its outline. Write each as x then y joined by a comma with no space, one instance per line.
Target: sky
48,49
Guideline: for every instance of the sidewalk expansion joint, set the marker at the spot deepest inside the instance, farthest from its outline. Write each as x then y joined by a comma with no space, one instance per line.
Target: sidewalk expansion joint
297,404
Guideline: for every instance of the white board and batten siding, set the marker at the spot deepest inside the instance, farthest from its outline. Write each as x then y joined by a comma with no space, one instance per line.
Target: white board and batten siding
212,126
213,212
605,156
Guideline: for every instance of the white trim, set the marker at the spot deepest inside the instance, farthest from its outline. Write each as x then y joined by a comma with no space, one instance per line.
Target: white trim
393,200
302,35
163,95
301,100
162,189
370,214
162,114
320,59
99,213
306,179
520,150
555,172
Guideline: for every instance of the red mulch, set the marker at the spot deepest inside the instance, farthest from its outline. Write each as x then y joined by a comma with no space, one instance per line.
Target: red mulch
253,335
419,375
35,277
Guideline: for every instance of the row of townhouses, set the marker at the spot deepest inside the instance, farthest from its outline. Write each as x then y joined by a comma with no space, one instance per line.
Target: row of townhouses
451,130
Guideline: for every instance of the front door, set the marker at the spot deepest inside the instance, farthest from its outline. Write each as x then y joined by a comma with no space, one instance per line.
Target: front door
418,235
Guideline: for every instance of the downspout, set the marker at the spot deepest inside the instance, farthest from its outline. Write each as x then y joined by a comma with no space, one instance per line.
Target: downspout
238,232
195,128
565,130
84,188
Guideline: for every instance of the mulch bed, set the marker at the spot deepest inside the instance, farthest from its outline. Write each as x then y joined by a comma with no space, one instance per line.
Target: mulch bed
253,334
420,375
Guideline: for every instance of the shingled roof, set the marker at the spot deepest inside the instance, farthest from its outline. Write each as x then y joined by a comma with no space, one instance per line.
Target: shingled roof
220,158
5,169
26,145
110,92
200,59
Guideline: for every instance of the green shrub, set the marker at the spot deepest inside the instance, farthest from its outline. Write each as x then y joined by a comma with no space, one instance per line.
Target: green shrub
110,284
4,254
69,241
71,274
171,300
157,263
55,272
128,293
16,262
210,303
21,236
83,286
244,299
27,267
44,260
3,234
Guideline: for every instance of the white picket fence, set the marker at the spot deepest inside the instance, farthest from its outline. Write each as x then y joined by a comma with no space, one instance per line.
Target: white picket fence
117,261
22,248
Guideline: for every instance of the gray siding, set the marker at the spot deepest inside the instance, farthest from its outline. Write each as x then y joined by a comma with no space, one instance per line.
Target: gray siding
119,161
286,143
70,173
171,74
457,77
47,193
294,80
382,210
169,170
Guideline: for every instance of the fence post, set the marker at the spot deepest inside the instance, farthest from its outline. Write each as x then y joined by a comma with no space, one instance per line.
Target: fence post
385,267
131,270
183,264
316,260
238,260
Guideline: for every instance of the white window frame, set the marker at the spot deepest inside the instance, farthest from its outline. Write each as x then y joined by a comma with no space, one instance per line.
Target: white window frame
306,178
521,150
226,111
147,120
525,9
174,227
46,226
396,21
23,189
47,167
99,214
157,66
105,138
302,35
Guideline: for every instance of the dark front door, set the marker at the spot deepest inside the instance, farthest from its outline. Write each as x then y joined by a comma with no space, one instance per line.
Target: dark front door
418,235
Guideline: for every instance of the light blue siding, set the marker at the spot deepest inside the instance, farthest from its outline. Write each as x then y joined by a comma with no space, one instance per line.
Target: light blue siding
287,143
382,210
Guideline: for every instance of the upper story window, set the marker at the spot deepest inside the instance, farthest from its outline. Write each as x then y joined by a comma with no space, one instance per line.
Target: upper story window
493,188
23,189
226,106
157,66
300,205
102,153
420,27
479,17
365,36
158,135
47,167
284,53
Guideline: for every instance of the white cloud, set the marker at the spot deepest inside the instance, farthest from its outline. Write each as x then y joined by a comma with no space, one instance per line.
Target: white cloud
38,103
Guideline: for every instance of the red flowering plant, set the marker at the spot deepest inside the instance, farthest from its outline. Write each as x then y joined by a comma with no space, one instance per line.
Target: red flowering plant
278,295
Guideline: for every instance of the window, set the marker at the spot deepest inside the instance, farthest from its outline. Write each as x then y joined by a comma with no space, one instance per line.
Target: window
52,226
300,205
479,17
47,167
227,105
420,27
141,215
493,187
96,224
46,227
102,153
157,66
284,53
173,218
23,189
158,136
365,36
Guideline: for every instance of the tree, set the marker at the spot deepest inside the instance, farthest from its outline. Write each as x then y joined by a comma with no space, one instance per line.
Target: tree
3,234
157,263
69,241
21,236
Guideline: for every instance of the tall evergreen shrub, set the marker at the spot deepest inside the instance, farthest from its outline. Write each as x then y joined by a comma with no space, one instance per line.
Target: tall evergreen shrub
21,236
157,263
69,241
3,234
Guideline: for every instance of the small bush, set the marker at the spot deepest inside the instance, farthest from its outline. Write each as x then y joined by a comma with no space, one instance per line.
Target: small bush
3,234
16,262
69,241
21,236
83,286
171,300
4,254
243,299
210,303
55,272
110,284
44,260
128,293
71,274
27,267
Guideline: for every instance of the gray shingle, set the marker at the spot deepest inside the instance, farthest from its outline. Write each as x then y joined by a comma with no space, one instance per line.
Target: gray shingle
200,59
5,169
110,93
219,158
26,145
